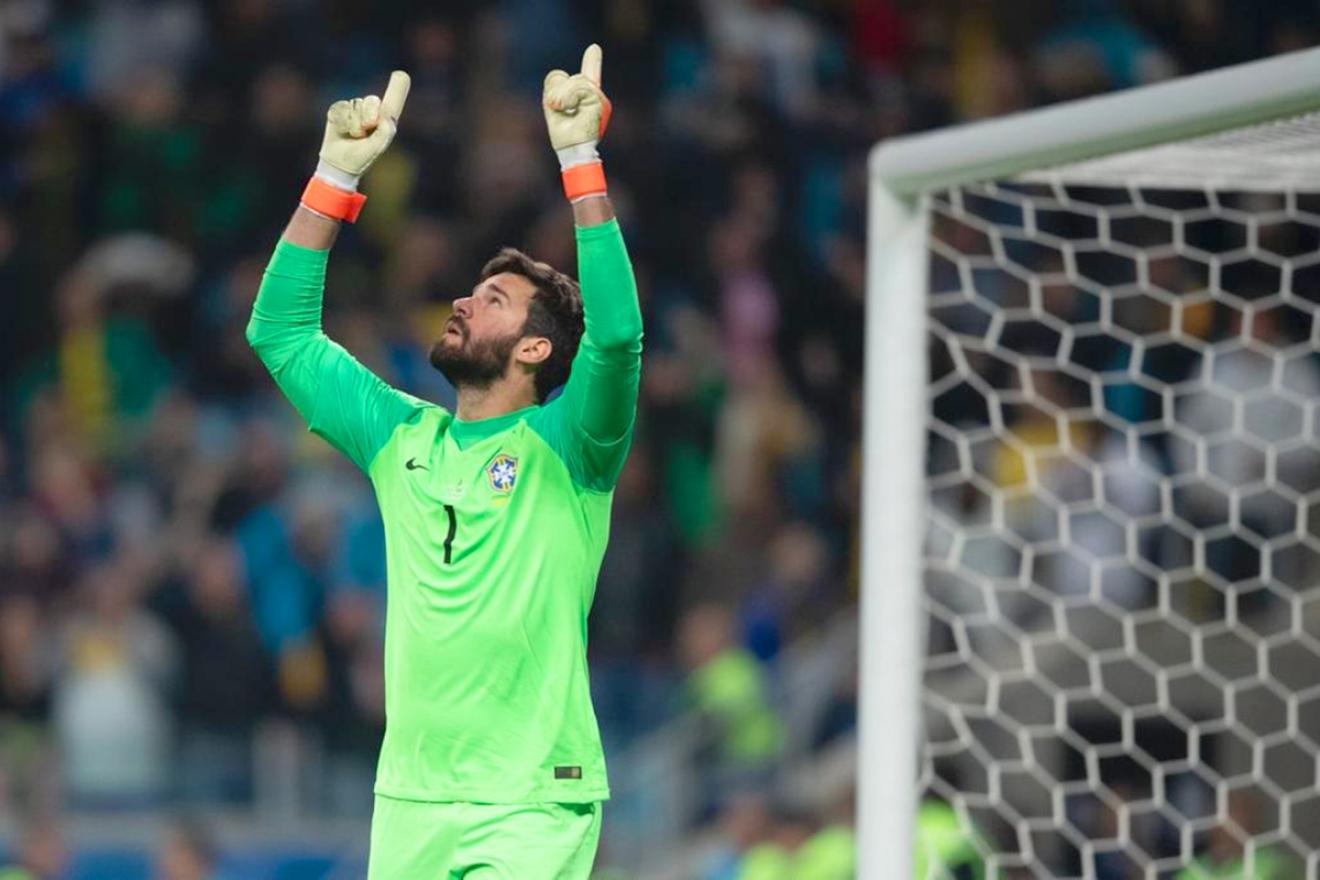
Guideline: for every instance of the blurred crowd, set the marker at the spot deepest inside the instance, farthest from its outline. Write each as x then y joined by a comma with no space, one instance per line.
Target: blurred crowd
183,566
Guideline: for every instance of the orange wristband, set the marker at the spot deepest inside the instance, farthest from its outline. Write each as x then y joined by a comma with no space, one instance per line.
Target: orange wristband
331,201
581,181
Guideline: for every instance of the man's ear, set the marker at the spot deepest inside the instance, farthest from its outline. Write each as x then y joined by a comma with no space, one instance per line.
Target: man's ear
532,350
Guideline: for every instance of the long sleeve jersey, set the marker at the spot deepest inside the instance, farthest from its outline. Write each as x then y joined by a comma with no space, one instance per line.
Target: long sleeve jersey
494,534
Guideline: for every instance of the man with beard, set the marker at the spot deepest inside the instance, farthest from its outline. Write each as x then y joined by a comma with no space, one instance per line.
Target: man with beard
496,515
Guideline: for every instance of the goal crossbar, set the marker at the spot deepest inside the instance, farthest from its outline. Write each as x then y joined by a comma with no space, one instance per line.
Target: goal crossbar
1248,94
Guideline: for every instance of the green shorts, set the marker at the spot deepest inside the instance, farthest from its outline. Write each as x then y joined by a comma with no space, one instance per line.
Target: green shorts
449,841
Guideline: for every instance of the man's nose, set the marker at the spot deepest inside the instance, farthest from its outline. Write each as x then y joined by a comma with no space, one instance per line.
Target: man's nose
463,307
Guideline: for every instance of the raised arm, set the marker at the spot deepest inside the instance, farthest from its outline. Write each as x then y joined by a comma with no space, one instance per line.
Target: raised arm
591,422
341,400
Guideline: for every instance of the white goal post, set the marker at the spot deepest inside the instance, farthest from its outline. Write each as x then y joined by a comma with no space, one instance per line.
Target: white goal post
1154,216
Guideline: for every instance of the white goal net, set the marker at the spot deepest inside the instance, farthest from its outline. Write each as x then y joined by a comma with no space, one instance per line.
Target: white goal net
1120,570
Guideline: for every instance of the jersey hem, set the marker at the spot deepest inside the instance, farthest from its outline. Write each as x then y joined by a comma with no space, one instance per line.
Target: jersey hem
477,796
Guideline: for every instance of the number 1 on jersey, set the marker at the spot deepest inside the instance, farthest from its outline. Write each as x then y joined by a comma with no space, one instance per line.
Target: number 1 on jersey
453,527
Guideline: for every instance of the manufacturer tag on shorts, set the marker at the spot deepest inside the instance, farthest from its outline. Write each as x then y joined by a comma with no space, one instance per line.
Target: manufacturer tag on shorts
568,772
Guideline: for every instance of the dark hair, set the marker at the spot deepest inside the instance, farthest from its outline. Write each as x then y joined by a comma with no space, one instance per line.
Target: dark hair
555,312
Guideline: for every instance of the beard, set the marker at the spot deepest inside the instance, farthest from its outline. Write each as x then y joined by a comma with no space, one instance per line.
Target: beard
473,363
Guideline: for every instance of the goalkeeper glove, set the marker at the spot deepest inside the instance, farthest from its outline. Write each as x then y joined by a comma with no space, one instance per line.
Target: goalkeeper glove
576,115
356,133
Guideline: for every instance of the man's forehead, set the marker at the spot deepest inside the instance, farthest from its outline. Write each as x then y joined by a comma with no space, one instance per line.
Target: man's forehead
514,285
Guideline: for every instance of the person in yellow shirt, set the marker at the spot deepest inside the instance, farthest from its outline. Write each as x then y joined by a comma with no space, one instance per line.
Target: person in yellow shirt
944,846
727,687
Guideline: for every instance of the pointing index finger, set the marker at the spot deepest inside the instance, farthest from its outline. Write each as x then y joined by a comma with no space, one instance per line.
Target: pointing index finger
396,93
591,63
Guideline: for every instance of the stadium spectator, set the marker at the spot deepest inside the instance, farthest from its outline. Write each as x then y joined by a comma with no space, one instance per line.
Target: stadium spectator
830,853
727,687
791,594
1224,854
116,668
26,671
744,823
774,858
42,853
633,625
187,853
226,681
943,846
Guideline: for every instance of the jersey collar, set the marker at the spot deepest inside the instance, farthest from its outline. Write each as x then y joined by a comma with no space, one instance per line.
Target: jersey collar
479,429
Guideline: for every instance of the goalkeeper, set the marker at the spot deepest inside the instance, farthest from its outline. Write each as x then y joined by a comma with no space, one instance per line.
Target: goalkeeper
496,515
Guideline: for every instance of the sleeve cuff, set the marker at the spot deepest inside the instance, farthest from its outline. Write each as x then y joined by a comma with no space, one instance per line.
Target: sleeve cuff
607,229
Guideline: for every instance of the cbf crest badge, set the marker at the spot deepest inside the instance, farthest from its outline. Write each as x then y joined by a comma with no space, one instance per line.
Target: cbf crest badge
502,473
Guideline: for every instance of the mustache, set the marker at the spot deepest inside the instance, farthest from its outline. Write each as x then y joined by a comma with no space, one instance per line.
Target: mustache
458,324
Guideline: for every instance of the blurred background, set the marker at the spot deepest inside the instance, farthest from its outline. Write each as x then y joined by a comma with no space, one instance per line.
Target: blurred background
191,585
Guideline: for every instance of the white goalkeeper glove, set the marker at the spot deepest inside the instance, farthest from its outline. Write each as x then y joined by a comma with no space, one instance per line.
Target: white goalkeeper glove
358,131
576,116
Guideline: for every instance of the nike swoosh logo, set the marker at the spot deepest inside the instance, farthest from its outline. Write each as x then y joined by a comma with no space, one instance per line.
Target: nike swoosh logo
412,465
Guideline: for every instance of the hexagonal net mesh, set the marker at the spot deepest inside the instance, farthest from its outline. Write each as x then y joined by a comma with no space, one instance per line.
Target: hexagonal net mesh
1123,550
1276,156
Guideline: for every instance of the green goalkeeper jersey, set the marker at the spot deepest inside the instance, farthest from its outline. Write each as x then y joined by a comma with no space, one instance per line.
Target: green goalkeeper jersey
494,533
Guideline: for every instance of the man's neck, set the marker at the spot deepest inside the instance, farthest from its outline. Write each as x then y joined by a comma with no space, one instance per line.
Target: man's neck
499,399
